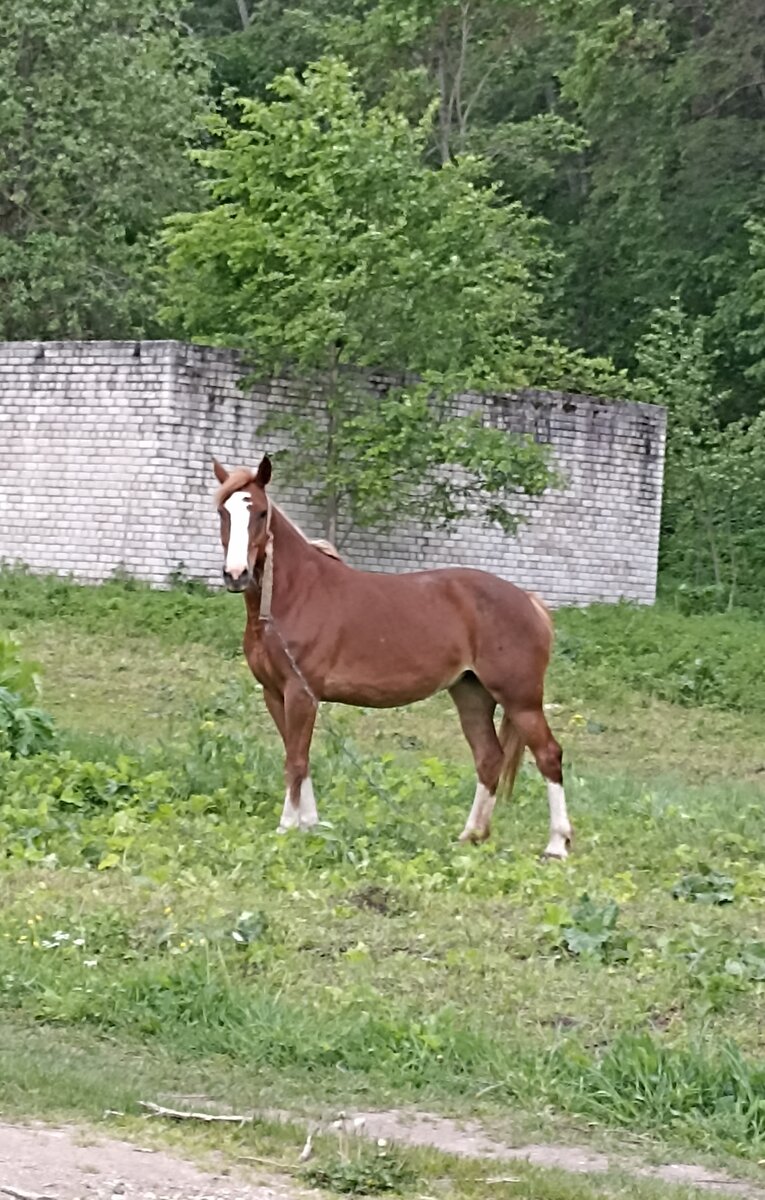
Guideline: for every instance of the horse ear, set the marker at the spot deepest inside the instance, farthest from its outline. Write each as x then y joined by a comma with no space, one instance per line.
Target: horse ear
264,472
221,474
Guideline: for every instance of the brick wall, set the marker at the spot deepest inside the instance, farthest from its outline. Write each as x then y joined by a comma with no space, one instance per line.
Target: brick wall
106,450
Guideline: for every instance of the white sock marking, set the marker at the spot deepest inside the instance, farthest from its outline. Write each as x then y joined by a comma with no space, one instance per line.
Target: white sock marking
309,815
305,814
560,827
238,509
480,814
290,815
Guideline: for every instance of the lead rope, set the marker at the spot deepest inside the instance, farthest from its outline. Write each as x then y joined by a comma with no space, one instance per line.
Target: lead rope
267,586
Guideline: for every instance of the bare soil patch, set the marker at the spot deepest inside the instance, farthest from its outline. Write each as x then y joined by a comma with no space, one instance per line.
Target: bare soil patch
69,1164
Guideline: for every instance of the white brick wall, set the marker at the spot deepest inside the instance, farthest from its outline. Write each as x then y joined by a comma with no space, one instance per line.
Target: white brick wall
106,450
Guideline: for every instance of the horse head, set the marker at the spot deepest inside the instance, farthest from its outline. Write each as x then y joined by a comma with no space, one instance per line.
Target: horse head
245,521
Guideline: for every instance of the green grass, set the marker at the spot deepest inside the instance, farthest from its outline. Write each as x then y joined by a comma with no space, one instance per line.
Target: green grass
78,1075
146,901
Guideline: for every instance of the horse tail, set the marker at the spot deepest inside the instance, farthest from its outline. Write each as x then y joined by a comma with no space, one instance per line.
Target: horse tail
513,746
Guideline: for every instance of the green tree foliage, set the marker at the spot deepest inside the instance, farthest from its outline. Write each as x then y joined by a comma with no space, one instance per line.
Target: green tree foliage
328,243
672,98
739,319
637,129
713,543
624,143
328,240
97,104
490,63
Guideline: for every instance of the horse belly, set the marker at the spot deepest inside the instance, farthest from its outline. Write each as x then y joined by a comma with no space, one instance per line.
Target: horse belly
384,667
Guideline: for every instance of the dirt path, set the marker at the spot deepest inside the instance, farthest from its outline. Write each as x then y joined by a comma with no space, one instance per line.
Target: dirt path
469,1138
66,1164
42,1163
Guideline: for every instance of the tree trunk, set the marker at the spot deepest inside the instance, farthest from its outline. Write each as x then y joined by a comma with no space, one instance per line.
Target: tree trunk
331,505
444,115
330,516
711,536
244,15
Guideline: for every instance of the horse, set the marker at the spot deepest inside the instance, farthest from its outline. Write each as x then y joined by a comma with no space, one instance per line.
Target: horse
319,630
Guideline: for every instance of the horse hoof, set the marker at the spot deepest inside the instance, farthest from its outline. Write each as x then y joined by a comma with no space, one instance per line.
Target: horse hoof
474,836
553,855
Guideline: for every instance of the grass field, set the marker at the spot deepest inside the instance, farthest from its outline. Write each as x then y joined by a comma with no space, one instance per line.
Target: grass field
155,926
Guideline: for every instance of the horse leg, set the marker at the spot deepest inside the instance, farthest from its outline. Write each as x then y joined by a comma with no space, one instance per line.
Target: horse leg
300,802
476,712
275,705
533,728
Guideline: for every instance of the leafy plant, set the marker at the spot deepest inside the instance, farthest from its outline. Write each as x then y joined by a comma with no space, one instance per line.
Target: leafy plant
24,730
747,962
250,927
705,886
360,1169
17,674
688,660
589,931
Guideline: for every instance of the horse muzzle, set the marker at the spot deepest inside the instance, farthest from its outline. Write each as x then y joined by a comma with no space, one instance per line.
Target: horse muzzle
237,583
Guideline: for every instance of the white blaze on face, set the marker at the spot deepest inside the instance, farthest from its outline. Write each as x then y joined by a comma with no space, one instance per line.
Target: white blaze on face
238,509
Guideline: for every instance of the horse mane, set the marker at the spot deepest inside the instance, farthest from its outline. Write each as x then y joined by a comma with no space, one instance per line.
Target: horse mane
243,477
325,547
320,543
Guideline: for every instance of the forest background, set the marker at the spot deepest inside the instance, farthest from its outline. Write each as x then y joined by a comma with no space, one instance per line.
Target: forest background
617,151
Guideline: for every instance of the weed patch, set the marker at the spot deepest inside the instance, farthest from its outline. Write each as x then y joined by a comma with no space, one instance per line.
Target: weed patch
705,886
687,660
588,931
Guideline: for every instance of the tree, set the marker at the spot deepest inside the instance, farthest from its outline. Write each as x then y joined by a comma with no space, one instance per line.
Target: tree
97,111
739,318
328,244
487,61
475,56
671,96
250,41
713,536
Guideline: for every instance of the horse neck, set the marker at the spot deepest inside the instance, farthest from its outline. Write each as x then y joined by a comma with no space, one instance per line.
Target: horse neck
291,553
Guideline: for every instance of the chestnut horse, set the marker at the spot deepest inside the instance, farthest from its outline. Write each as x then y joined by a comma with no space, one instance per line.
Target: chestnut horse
319,630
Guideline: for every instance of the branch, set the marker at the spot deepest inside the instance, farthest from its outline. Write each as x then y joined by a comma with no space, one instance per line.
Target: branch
460,72
503,45
485,78
18,1194
446,104
244,16
718,104
174,1114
